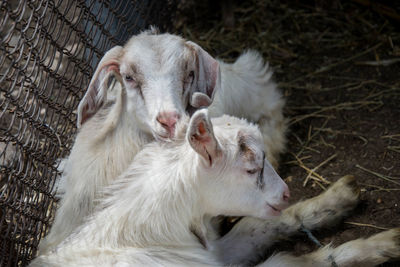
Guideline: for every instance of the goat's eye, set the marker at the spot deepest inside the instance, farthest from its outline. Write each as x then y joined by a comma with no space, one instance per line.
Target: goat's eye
128,78
252,171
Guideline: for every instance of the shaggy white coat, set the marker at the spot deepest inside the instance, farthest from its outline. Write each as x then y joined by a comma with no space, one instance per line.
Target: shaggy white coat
116,121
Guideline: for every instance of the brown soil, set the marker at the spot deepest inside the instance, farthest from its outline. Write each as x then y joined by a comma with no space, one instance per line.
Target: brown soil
342,104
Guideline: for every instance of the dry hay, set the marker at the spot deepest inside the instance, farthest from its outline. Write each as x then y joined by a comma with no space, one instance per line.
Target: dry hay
338,67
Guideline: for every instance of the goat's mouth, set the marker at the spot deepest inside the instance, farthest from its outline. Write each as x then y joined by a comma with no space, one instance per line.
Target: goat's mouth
162,134
163,137
274,209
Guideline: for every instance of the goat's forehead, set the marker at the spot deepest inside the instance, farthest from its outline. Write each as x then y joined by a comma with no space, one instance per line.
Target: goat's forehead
228,127
155,52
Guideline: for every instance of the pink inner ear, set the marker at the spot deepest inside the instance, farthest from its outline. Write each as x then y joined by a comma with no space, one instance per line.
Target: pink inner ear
114,66
91,106
202,128
203,137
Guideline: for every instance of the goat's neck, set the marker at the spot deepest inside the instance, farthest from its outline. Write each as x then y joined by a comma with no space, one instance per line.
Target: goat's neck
155,202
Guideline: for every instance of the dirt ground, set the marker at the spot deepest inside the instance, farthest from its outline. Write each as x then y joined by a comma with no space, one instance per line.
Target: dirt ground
339,68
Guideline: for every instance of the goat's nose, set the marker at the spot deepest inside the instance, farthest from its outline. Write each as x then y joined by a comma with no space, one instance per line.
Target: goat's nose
168,120
286,194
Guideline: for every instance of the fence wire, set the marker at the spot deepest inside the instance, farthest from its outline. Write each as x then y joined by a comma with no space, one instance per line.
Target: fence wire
48,52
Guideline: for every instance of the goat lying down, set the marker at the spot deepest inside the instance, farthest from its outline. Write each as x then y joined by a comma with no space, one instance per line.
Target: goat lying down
160,79
155,213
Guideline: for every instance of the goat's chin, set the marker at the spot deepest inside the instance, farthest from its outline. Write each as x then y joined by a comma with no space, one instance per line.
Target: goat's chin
163,137
269,212
160,134
273,213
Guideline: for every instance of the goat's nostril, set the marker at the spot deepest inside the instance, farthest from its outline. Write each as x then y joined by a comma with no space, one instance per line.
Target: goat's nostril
286,195
168,120
161,121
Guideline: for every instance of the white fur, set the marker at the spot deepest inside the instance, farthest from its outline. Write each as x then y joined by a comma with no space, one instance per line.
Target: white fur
123,119
156,213
149,215
103,149
248,91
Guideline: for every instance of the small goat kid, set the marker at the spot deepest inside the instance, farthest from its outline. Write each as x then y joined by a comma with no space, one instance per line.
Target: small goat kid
160,78
154,215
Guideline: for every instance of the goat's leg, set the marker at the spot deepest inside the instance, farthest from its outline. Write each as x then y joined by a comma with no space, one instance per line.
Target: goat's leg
250,237
326,209
360,252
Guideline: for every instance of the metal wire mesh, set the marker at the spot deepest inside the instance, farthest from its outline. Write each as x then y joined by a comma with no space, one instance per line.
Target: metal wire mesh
48,51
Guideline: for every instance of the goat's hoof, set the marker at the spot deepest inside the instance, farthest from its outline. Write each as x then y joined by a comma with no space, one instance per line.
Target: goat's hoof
387,243
350,182
345,192
396,240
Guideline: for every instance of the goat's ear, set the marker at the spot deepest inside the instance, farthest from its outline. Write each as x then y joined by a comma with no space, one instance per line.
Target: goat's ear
97,89
200,100
153,30
201,137
207,76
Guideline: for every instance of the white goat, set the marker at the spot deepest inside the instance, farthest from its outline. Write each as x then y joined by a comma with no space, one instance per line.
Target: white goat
160,78
155,214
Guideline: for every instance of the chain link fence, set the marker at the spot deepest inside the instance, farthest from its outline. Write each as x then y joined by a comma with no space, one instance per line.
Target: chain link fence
48,52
